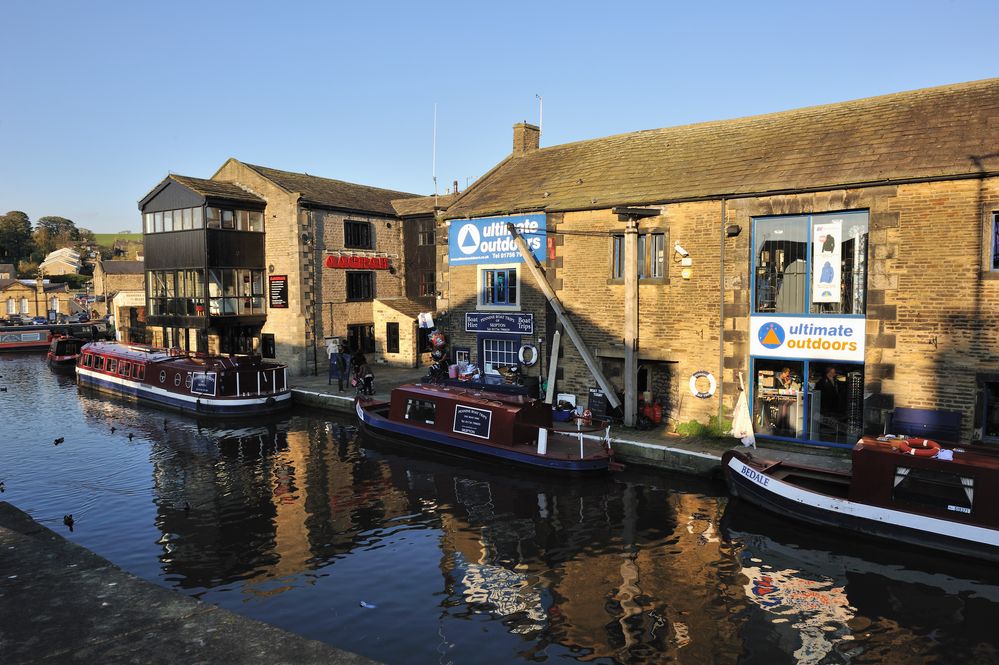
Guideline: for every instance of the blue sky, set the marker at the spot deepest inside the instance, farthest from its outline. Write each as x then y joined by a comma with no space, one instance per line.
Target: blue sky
100,100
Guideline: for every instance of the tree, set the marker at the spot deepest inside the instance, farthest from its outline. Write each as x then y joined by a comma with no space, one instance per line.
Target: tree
15,237
85,235
51,233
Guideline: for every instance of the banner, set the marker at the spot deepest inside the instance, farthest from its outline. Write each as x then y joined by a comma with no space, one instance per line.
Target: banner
808,337
827,243
487,240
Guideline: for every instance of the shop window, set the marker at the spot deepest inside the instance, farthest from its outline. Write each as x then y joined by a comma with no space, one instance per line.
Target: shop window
499,287
994,233
933,489
813,264
498,353
779,406
426,234
358,235
360,285
392,337
421,410
428,283
835,402
361,337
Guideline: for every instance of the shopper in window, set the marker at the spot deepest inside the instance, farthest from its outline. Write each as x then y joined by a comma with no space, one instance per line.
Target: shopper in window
828,387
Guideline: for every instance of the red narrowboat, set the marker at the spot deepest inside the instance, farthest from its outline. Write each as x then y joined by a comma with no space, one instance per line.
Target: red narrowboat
64,350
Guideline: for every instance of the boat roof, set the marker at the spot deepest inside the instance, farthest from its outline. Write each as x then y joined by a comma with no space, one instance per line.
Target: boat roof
138,352
464,395
132,352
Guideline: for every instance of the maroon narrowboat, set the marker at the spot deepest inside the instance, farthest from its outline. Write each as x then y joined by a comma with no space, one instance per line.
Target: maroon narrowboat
906,490
479,423
201,384
64,350
24,338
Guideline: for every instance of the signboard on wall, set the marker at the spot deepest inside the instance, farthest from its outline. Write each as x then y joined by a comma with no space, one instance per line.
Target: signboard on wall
278,291
472,421
486,240
827,243
808,337
516,323
357,262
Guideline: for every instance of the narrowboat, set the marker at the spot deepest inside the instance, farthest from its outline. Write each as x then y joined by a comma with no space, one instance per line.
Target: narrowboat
905,490
64,350
514,429
200,384
24,338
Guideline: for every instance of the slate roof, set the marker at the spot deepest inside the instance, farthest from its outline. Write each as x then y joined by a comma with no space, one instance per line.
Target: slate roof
422,205
336,194
947,131
122,267
215,189
8,268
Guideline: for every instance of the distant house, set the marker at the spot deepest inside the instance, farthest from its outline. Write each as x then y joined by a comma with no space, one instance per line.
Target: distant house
7,271
112,277
63,261
28,298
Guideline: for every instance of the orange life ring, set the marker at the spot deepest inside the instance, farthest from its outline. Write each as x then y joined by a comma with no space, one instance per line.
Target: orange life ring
919,447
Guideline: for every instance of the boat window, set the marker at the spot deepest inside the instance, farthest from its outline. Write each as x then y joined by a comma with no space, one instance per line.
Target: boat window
140,372
126,370
934,489
113,365
421,410
87,359
98,362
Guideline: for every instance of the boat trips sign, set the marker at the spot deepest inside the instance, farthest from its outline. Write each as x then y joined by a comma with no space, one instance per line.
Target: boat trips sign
809,337
486,240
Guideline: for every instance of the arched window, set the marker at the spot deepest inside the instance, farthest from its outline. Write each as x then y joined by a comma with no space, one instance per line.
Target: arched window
24,305
11,306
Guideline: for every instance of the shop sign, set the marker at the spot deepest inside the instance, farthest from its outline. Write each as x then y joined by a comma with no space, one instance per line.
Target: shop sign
827,241
358,262
487,240
807,337
278,291
516,323
472,421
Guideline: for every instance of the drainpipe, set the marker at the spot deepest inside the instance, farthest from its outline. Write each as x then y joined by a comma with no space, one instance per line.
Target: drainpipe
721,314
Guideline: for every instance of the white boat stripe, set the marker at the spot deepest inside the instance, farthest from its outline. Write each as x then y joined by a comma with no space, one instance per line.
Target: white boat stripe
145,387
864,511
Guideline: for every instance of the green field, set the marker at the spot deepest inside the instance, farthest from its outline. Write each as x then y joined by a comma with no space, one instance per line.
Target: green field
107,239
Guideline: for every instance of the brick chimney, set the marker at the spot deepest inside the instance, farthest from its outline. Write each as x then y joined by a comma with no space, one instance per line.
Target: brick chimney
526,138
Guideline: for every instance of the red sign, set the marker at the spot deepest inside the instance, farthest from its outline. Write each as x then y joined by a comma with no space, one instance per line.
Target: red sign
358,262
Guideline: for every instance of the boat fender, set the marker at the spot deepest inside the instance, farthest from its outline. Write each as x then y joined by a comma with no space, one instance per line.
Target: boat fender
712,384
522,355
919,447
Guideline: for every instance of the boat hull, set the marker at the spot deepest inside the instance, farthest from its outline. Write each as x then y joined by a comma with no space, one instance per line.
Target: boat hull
384,428
138,391
788,500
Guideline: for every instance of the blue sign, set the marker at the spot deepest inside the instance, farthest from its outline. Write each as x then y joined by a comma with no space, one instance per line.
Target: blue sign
473,422
204,383
487,240
771,335
516,323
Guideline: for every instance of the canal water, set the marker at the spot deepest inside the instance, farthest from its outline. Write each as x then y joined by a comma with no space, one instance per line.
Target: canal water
407,558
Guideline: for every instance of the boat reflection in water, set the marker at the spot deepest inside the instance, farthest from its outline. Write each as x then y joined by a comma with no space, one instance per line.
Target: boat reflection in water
826,599
299,521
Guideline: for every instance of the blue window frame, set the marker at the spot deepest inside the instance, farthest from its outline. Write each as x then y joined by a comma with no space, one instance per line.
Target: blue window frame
499,287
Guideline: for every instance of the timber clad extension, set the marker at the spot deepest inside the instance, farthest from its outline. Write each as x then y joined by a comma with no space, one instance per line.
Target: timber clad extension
893,201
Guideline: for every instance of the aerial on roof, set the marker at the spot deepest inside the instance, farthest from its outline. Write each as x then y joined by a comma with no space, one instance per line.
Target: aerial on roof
215,189
422,205
950,131
333,193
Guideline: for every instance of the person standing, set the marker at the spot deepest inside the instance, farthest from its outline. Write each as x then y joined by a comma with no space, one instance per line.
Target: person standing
365,377
338,368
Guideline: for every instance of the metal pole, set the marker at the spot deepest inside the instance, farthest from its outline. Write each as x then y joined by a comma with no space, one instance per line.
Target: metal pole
535,269
631,259
553,367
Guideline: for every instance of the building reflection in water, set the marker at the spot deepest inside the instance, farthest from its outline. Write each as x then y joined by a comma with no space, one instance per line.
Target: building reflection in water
629,568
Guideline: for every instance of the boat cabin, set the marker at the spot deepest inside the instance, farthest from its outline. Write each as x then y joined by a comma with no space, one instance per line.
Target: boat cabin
965,489
500,419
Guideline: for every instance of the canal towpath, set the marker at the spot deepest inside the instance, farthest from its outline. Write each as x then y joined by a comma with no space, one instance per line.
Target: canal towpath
655,448
61,603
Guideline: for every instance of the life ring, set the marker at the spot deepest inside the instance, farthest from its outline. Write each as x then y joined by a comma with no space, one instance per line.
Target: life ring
919,447
523,352
712,384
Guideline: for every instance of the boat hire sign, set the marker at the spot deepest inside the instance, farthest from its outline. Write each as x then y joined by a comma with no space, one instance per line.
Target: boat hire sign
487,240
472,421
807,337
516,323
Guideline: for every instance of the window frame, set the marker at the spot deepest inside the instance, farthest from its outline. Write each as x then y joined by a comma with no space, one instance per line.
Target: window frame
353,230
511,353
351,278
651,269
992,244
430,292
426,233
513,274
392,338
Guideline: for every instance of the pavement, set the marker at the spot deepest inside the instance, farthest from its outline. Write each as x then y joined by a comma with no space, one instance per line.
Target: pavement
654,448
61,603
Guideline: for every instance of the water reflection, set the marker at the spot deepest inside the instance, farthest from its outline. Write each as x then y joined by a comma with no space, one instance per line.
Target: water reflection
298,521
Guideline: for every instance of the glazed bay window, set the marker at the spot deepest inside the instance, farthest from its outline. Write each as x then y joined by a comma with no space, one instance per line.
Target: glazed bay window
811,264
651,255
360,285
176,292
358,235
499,287
235,292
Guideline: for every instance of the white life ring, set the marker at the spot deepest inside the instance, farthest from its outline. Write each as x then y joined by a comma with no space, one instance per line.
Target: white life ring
534,355
712,384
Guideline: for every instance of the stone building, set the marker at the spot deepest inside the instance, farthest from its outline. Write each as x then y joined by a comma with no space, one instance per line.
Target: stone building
324,253
857,241
30,298
110,277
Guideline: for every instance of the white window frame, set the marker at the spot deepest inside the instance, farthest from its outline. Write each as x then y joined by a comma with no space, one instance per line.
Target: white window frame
481,306
24,305
503,354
